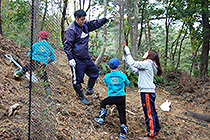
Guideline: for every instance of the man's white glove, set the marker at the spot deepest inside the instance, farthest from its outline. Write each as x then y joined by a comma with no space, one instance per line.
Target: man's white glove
127,50
72,62
110,16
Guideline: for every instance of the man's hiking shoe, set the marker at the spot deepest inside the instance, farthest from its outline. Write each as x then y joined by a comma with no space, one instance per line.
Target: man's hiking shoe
99,120
18,73
122,136
90,91
90,85
85,101
79,93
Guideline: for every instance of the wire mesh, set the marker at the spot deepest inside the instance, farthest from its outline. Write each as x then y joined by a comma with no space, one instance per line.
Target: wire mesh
17,27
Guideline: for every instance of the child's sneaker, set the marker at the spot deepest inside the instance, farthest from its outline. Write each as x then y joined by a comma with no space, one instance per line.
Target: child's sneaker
99,120
122,136
123,129
102,116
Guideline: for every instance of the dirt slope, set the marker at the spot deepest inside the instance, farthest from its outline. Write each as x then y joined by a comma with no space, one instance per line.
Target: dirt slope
74,120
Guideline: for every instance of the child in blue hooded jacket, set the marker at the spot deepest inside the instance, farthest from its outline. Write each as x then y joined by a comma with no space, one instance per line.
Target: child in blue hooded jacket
116,82
43,54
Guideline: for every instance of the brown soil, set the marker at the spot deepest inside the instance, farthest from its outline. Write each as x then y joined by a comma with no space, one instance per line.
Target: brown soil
73,120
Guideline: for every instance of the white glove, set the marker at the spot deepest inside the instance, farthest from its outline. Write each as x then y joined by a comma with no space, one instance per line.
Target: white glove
127,50
124,58
110,16
72,62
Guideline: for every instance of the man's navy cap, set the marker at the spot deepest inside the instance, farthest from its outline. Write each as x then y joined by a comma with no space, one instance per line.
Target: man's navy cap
114,62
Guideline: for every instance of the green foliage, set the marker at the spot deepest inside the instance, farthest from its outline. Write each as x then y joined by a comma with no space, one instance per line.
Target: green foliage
133,78
158,80
16,22
104,69
208,72
196,72
171,83
171,75
15,17
94,52
19,12
109,56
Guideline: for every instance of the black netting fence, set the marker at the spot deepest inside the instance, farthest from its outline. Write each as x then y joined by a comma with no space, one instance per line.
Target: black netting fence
35,99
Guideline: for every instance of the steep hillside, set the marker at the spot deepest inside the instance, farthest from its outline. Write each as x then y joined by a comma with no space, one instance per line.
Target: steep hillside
73,120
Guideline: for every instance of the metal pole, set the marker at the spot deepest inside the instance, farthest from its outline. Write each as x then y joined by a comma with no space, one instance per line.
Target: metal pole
30,87
124,66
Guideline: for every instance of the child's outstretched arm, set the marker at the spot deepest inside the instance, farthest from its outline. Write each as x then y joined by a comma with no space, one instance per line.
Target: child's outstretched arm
129,60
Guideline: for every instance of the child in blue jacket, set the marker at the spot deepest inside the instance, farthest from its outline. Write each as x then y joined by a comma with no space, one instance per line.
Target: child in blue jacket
43,54
116,82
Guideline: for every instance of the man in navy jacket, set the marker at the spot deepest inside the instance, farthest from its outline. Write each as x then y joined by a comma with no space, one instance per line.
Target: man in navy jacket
76,48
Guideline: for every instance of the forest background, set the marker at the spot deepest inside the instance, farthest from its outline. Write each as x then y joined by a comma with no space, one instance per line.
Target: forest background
177,29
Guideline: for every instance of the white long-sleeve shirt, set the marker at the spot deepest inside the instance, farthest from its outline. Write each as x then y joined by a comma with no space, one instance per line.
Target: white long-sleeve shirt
146,70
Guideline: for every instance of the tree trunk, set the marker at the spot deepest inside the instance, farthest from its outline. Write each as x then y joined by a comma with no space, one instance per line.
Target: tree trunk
194,48
142,22
166,47
172,46
80,4
179,52
75,5
124,33
119,33
88,6
95,40
145,33
173,51
150,42
167,24
83,4
195,65
1,33
103,48
135,31
63,20
129,22
36,19
120,29
43,18
205,117
126,37
203,73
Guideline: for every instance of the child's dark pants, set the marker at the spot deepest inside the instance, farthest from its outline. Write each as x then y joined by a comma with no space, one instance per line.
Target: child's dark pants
120,103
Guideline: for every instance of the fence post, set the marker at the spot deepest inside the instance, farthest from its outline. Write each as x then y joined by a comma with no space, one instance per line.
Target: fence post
30,87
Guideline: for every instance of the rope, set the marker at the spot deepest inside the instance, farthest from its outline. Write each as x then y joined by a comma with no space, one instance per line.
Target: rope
191,121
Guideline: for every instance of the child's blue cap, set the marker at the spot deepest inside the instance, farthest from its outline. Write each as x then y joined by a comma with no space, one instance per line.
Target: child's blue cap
114,62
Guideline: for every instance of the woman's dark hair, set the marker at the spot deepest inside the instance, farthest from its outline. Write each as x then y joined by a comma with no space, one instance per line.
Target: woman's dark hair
80,13
153,55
